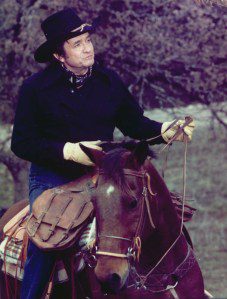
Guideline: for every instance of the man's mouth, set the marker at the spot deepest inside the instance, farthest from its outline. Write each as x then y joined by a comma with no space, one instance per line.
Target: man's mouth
89,57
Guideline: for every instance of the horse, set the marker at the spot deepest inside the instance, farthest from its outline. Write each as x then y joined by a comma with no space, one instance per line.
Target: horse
141,250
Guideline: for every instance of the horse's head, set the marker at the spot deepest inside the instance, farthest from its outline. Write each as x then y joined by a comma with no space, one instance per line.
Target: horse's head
123,212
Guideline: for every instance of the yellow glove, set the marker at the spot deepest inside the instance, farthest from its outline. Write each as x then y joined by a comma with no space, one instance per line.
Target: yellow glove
73,151
167,134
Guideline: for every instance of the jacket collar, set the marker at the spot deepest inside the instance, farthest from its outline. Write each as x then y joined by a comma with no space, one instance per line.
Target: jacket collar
54,72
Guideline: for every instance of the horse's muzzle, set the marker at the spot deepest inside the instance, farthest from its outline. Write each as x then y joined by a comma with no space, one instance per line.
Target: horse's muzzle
112,285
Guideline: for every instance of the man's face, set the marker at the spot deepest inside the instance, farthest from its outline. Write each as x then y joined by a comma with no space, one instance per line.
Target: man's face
79,53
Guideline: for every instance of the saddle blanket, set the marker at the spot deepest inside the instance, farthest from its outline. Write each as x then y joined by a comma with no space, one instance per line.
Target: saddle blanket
11,249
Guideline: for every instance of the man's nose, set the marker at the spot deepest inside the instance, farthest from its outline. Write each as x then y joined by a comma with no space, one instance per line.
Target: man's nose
87,48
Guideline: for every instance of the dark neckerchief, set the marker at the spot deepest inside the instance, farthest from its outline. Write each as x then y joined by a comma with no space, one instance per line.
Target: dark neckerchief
77,80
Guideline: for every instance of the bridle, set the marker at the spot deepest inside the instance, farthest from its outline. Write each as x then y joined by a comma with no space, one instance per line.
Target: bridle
134,249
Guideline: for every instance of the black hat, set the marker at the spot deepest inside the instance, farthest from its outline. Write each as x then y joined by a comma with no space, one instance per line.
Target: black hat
58,28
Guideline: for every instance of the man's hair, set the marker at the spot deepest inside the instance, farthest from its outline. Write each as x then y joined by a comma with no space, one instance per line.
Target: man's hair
59,49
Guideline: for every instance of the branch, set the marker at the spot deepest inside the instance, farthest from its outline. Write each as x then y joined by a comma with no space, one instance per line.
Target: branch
218,118
211,2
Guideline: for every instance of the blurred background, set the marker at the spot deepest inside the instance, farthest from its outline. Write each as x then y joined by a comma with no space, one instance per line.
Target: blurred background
172,56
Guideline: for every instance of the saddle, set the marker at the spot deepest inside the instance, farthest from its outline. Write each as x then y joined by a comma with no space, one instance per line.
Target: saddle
58,218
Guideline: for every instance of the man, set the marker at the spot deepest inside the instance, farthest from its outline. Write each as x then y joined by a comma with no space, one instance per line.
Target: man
74,100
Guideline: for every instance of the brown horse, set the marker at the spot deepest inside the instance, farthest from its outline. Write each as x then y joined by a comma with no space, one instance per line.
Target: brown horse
140,249
133,204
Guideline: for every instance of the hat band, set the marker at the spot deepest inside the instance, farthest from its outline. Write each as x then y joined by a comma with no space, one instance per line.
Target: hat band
80,28
77,31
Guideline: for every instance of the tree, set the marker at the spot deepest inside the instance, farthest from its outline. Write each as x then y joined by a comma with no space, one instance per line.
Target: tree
169,53
17,167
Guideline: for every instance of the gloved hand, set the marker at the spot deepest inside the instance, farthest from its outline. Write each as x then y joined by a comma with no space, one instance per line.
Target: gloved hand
73,151
167,134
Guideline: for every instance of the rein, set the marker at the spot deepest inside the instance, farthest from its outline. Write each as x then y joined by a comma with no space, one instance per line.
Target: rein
143,278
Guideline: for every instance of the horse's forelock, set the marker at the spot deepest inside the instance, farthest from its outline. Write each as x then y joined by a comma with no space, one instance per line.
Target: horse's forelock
114,162
113,165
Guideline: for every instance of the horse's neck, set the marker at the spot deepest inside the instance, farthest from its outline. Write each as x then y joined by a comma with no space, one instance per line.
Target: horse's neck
166,240
168,228
162,246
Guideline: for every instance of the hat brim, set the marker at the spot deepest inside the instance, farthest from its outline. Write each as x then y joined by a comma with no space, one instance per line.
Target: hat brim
44,53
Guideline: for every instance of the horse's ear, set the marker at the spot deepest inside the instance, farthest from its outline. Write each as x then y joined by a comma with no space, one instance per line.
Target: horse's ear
96,156
140,152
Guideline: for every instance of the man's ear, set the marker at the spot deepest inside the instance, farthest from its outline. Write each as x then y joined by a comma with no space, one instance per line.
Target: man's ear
59,57
96,156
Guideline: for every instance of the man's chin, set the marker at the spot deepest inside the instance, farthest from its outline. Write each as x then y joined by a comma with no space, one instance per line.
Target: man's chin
89,62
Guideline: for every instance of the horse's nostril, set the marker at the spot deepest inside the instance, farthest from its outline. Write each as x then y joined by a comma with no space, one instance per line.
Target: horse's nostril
112,285
115,278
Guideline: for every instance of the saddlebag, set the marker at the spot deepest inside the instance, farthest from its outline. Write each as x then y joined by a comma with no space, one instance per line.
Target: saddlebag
58,218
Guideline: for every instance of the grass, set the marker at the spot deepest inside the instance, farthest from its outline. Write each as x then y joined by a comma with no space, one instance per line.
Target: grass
206,188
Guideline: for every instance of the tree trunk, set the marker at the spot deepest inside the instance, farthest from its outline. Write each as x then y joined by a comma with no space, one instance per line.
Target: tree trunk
17,167
19,171
20,179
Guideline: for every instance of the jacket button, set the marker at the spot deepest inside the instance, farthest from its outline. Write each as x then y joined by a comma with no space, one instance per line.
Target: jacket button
72,90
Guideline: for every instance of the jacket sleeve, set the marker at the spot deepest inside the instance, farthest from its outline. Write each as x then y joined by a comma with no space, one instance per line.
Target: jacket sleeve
132,122
27,140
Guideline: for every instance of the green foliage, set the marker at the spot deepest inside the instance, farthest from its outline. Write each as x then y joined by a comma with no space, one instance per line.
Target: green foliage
168,52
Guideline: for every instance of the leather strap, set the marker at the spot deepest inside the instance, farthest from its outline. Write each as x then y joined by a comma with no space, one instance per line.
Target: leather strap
56,221
144,278
42,215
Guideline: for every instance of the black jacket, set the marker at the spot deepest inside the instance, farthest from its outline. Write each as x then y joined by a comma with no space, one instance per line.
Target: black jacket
50,113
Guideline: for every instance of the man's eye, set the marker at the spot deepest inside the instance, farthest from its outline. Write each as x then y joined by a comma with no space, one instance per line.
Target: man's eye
76,45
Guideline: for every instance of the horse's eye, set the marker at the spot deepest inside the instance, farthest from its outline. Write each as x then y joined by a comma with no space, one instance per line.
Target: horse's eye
133,203
132,186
